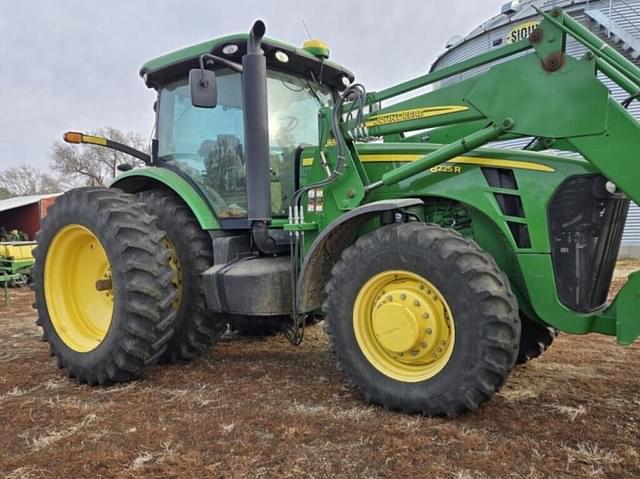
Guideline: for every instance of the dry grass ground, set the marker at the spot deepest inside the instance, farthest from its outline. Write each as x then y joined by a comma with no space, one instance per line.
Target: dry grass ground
262,408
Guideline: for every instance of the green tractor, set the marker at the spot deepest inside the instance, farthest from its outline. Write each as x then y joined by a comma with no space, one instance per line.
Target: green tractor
277,189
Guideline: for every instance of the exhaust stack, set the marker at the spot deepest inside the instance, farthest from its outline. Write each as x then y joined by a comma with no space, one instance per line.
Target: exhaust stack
256,128
256,141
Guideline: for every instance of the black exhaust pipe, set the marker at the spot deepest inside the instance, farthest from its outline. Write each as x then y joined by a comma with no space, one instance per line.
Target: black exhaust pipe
256,127
256,139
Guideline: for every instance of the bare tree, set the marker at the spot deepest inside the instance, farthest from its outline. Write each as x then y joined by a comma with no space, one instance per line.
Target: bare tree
93,165
27,180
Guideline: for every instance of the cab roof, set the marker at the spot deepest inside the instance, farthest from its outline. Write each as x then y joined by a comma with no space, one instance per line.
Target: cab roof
175,65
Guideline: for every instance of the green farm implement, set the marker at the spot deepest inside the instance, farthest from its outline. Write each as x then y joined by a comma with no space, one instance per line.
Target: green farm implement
16,265
277,189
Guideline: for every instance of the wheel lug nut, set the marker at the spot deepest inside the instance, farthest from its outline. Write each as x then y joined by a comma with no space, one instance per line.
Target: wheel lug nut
403,296
423,345
425,315
389,298
434,355
416,303
443,342
429,331
414,353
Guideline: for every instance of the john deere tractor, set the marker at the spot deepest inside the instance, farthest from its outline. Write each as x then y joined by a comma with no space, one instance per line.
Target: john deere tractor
277,189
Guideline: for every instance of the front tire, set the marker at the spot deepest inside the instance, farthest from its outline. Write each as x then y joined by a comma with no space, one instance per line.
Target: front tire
422,320
103,285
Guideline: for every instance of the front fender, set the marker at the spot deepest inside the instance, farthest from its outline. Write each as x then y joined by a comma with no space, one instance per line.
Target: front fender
146,178
327,247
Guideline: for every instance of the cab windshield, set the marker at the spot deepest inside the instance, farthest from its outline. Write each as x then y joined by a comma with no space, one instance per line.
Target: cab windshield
208,143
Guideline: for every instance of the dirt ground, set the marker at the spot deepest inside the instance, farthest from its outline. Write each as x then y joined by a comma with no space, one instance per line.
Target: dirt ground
263,408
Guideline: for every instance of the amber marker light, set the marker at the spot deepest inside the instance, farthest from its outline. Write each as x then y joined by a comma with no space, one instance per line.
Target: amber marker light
72,137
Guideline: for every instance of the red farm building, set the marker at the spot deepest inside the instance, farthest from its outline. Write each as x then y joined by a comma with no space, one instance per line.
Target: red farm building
24,213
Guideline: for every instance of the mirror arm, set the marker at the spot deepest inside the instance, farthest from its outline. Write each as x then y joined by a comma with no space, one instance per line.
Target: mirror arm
214,58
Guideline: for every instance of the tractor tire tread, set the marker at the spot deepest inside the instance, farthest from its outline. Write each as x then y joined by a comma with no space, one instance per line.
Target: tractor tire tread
536,338
499,331
146,329
196,328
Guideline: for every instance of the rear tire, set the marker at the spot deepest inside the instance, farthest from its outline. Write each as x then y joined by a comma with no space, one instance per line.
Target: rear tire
113,334
196,329
465,316
536,338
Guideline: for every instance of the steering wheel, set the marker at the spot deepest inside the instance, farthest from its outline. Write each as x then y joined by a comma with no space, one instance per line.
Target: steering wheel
290,123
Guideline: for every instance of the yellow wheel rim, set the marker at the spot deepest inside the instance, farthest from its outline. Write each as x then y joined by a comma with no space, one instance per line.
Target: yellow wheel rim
78,288
403,326
177,273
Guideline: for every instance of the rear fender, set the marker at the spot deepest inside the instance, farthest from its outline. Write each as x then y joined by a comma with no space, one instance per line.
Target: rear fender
148,178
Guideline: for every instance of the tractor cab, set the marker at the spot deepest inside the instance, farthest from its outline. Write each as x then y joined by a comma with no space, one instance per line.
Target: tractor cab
207,145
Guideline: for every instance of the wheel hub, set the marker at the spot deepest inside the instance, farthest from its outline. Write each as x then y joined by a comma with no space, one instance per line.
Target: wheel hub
403,325
396,323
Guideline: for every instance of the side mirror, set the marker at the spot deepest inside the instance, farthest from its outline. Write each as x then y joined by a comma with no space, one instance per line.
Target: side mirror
204,89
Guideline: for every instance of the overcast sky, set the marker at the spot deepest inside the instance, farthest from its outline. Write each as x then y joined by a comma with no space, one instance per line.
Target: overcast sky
73,65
